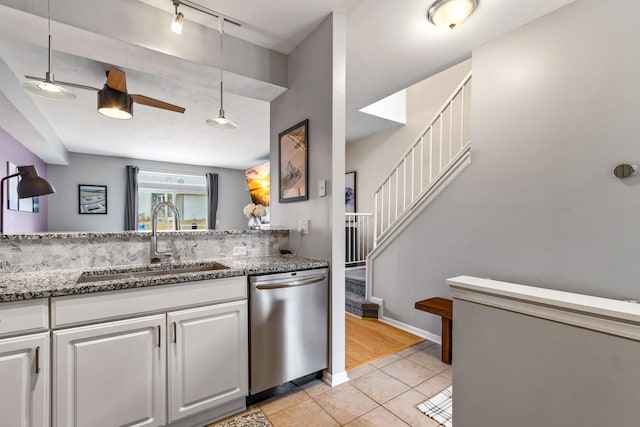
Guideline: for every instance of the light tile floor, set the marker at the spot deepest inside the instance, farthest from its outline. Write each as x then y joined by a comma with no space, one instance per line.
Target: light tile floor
383,393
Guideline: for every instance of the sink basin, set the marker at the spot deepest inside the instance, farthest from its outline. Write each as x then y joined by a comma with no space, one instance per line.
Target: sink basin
88,277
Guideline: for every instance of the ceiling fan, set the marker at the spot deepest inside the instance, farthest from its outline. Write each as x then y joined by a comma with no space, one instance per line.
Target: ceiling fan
113,99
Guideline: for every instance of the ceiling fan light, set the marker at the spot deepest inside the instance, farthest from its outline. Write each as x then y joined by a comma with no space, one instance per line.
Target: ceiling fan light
177,22
115,104
451,13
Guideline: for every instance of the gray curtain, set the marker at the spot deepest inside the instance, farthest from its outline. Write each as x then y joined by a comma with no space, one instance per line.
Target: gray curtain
212,199
131,199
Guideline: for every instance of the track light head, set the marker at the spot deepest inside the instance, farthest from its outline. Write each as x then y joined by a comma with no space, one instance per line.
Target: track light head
177,22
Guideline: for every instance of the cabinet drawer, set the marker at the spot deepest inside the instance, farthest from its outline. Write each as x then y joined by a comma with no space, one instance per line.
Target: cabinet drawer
24,316
89,308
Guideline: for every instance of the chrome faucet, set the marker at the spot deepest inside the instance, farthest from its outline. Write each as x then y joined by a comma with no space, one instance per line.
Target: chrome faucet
156,256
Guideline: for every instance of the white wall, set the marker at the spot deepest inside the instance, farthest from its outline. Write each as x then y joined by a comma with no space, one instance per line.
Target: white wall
554,107
316,92
110,171
375,156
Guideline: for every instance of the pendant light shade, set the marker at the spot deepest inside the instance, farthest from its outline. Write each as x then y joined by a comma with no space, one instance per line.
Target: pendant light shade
451,13
115,104
47,87
221,122
30,185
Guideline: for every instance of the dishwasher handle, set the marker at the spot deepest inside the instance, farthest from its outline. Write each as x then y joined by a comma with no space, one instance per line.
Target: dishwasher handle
292,283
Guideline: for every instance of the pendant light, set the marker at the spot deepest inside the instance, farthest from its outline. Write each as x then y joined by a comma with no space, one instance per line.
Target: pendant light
221,121
47,87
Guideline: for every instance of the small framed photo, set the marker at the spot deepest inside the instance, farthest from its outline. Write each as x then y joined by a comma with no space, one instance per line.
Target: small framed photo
92,199
293,157
350,192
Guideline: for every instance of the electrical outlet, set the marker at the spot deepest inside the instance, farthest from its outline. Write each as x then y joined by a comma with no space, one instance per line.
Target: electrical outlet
303,226
239,251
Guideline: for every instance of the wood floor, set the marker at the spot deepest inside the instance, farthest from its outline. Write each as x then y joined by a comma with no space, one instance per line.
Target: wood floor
368,340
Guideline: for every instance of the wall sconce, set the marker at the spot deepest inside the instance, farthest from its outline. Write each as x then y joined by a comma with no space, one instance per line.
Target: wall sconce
30,185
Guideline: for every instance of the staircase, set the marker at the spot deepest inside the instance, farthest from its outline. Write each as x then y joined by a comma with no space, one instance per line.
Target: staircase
355,291
436,158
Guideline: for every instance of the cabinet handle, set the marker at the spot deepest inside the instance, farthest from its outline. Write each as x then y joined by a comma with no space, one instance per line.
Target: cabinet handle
38,360
175,333
159,331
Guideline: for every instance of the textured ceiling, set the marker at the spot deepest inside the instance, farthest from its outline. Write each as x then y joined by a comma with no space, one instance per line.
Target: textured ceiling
390,45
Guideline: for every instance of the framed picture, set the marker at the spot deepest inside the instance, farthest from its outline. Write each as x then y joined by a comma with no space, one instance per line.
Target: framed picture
350,192
92,199
293,159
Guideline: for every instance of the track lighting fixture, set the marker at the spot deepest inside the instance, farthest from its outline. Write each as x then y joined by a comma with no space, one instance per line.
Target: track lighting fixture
47,87
178,19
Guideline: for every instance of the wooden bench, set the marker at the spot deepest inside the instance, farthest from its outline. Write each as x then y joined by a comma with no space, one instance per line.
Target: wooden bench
442,307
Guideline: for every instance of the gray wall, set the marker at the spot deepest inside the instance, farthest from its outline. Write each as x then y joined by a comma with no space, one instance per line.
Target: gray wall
375,156
317,92
552,375
110,171
554,108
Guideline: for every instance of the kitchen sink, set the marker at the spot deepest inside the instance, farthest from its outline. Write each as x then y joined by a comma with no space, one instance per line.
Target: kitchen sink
90,276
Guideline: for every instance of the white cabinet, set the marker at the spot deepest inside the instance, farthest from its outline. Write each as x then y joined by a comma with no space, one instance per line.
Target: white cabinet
207,360
24,381
110,374
183,364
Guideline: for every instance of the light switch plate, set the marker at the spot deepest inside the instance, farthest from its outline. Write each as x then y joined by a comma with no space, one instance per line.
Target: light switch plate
303,226
322,187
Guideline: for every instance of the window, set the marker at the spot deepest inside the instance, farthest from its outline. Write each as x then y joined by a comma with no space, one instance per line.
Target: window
187,192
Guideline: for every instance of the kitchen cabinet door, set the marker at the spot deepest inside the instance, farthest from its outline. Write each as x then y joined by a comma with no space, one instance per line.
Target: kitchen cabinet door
110,374
24,381
208,357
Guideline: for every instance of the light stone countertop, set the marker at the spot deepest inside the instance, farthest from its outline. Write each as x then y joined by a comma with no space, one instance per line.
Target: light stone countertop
44,284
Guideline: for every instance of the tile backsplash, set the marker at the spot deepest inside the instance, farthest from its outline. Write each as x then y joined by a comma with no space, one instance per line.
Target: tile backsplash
61,251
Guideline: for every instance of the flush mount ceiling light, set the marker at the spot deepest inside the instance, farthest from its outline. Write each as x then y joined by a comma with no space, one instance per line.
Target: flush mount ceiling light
221,121
178,19
451,13
47,87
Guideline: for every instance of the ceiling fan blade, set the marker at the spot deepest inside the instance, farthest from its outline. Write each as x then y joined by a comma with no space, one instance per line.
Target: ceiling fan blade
117,79
151,102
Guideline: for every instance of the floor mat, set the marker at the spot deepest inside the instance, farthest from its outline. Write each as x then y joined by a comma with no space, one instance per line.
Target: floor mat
252,419
440,407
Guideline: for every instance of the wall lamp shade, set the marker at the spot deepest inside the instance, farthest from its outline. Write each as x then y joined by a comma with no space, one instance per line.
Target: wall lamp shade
177,22
115,104
451,13
30,185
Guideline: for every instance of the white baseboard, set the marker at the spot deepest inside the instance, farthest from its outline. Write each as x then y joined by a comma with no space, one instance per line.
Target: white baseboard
335,379
412,329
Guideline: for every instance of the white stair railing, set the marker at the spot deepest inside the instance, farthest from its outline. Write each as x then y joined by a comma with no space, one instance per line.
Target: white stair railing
427,161
359,237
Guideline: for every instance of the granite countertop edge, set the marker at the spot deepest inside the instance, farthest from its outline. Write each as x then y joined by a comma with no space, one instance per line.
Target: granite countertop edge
133,234
44,284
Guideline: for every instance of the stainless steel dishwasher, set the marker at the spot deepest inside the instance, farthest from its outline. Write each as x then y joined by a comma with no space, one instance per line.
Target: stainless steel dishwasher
289,327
